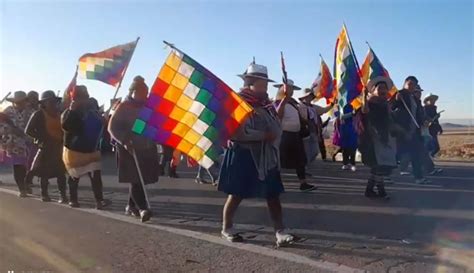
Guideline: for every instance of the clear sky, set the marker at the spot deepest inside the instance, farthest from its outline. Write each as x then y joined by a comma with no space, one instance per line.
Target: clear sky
433,40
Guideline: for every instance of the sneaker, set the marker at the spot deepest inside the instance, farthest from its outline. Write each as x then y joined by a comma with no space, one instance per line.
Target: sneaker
145,215
46,199
63,201
102,203
132,211
422,181
433,172
73,204
231,235
353,168
283,238
305,187
345,167
439,170
404,173
426,181
200,181
22,195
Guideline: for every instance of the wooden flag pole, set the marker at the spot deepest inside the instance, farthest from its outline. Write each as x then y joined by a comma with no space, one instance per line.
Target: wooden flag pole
123,76
6,96
141,178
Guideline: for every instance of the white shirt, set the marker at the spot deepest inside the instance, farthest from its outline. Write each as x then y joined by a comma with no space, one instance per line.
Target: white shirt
291,119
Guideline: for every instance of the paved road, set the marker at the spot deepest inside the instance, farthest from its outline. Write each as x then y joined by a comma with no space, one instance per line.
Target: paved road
427,228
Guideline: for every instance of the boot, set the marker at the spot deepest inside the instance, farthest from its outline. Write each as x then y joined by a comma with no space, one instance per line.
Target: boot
62,190
172,172
44,190
73,187
369,190
382,193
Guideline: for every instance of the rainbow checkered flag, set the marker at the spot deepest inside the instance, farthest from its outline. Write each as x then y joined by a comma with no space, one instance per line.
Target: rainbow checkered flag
372,68
190,109
346,72
107,66
323,86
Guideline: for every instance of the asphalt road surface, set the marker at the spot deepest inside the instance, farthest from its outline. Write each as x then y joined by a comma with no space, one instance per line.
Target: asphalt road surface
423,228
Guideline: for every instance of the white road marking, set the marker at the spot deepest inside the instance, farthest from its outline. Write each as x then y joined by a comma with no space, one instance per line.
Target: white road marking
288,256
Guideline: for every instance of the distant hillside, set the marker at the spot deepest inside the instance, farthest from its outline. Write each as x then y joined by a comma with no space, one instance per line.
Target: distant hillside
449,125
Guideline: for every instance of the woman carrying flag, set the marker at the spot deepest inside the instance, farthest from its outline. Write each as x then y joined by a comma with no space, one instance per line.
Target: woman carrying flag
377,143
137,156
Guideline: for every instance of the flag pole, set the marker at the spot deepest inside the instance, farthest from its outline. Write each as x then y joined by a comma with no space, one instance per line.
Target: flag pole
140,175
123,76
6,96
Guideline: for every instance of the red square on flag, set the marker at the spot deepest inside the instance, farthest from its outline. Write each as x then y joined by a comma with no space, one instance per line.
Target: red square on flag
160,87
173,141
169,124
164,107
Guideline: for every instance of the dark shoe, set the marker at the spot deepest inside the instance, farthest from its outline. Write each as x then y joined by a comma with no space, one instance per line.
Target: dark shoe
131,211
101,204
73,204
45,198
382,193
370,193
145,215
172,172
305,187
22,195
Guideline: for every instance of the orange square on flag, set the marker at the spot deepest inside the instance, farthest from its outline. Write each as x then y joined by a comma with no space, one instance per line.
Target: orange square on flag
173,94
167,74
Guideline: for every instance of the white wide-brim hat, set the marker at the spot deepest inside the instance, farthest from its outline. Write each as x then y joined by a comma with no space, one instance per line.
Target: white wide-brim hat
290,83
373,82
256,71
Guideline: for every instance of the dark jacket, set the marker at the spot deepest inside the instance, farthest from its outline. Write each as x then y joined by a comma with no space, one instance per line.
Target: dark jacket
82,130
431,112
400,113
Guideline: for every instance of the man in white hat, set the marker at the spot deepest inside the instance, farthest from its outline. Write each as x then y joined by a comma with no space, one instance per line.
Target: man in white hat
250,168
295,126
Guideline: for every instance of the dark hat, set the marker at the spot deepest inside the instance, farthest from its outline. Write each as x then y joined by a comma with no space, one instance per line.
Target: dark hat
411,78
48,95
17,97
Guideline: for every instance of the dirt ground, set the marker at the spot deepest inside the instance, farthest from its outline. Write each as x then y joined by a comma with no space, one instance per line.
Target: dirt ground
456,144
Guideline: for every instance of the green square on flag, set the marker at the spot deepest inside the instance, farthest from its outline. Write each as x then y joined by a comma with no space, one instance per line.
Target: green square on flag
211,133
197,78
207,116
139,126
203,96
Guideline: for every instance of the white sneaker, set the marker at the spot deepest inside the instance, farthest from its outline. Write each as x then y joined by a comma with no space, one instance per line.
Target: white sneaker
231,235
353,168
404,173
284,238
345,167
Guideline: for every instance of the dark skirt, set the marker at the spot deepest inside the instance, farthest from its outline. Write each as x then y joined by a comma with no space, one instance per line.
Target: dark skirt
292,152
48,162
147,160
239,176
